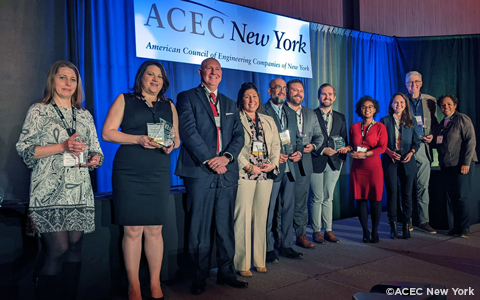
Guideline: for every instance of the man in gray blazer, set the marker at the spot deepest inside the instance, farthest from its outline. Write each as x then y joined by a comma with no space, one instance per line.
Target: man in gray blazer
282,199
312,139
424,112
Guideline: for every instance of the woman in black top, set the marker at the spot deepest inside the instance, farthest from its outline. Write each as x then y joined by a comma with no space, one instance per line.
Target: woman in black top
141,171
398,161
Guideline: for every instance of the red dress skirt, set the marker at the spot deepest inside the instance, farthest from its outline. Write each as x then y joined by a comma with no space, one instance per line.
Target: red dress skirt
366,175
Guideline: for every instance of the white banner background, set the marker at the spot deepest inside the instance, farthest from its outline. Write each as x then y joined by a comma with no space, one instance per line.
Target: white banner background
238,37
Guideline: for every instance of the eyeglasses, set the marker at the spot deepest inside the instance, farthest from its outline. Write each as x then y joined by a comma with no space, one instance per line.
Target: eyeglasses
415,81
368,107
279,88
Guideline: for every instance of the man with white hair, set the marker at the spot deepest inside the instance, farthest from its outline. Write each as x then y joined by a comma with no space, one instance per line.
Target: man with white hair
424,111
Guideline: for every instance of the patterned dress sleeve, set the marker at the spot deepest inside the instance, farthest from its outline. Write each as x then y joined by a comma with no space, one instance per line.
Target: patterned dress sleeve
93,141
30,137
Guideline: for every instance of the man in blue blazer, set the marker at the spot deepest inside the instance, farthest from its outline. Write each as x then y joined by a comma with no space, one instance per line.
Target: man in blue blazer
282,199
312,139
212,134
327,163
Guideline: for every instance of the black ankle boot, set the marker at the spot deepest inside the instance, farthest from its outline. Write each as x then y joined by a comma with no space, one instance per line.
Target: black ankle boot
393,230
375,237
366,236
71,279
406,231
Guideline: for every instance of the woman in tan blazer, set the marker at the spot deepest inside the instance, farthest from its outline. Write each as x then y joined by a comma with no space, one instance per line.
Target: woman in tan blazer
257,164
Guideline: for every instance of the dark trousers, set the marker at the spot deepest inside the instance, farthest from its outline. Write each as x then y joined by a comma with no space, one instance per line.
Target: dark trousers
210,207
392,175
458,187
280,212
300,216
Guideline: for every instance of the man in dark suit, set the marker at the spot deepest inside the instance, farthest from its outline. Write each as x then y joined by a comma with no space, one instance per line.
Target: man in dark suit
280,211
212,134
327,163
312,139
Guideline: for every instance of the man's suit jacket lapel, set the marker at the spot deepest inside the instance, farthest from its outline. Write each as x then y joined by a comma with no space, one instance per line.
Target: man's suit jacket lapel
269,110
323,126
206,102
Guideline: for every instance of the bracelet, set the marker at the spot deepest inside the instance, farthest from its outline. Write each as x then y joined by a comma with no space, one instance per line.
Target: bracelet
250,169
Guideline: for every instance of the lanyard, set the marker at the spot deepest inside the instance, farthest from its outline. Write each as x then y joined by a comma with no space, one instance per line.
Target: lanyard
153,109
71,131
210,98
448,125
281,117
364,135
255,125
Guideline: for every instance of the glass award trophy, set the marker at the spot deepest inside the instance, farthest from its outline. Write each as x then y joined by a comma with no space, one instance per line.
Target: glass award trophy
338,142
285,141
163,133
83,157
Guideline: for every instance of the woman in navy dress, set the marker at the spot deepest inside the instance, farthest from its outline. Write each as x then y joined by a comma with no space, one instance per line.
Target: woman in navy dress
141,172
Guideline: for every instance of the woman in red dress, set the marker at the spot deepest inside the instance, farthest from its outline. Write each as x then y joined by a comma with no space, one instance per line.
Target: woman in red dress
368,139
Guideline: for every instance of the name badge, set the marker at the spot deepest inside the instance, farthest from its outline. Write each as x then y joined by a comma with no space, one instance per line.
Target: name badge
285,137
361,149
440,139
257,148
217,121
419,120
69,160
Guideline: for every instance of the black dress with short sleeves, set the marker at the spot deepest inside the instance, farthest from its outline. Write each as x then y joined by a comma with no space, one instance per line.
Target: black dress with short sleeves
141,177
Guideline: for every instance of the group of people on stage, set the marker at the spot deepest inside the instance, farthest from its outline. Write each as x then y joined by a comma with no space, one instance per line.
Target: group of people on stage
248,170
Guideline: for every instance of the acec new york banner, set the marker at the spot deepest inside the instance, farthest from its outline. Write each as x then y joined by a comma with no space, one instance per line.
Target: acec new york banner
240,38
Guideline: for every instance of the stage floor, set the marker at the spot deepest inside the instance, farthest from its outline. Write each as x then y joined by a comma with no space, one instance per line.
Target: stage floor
338,271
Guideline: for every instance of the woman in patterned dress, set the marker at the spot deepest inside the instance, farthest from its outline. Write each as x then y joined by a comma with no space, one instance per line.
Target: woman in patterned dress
61,205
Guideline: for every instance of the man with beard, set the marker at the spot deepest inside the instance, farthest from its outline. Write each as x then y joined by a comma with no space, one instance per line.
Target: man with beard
327,164
280,213
312,139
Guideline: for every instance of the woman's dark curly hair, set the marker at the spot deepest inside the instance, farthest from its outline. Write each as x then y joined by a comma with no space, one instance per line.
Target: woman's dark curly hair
358,106
440,99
